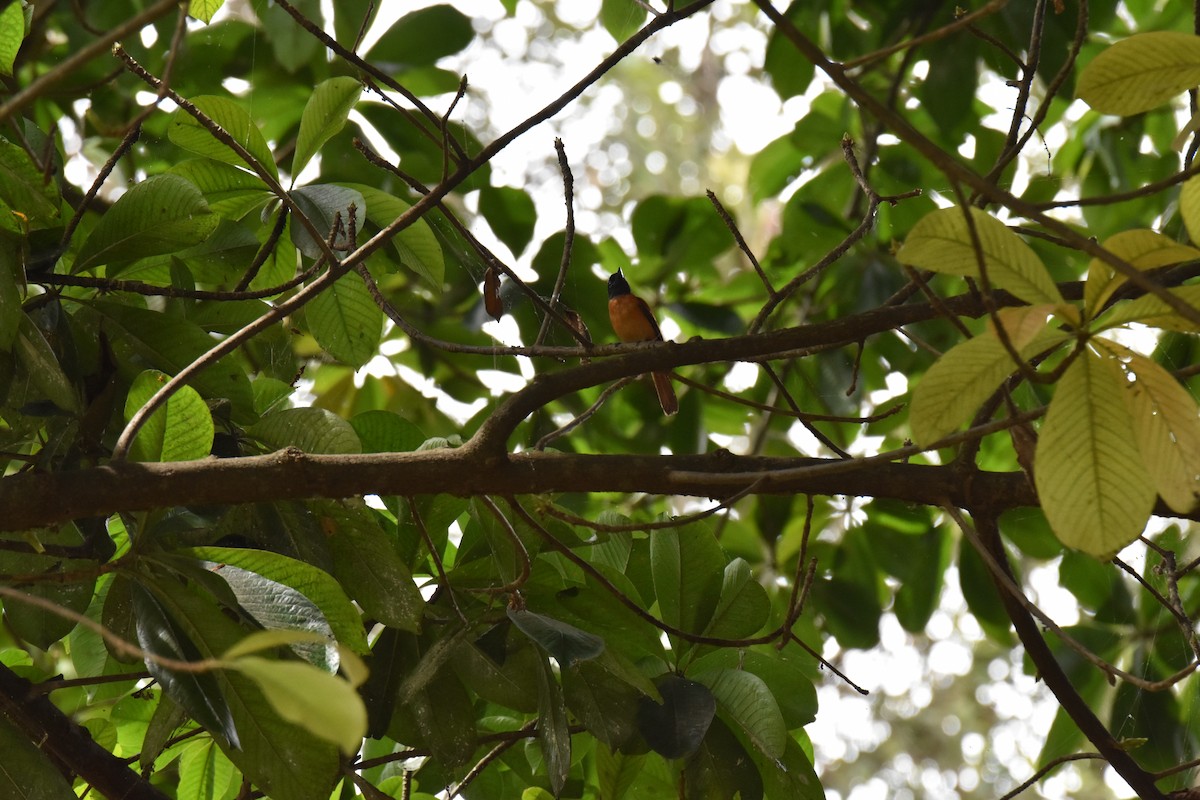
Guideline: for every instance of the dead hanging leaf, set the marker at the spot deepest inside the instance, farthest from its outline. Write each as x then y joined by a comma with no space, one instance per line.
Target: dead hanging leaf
491,294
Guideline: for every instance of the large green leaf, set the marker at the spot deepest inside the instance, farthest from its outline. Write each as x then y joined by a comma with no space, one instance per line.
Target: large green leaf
23,185
747,701
510,214
163,214
345,321
315,584
313,430
26,772
423,37
688,568
180,430
324,115
185,131
958,383
1144,250
14,24
1141,72
1089,473
417,245
169,343
39,359
942,242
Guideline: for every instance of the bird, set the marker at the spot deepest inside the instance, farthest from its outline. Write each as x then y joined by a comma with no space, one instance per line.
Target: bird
633,321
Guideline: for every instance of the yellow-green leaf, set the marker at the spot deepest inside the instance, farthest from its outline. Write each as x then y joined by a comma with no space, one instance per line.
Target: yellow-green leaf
1150,310
1141,72
941,241
203,10
1094,490
324,705
1166,427
1189,206
235,120
958,383
1144,250
181,429
324,115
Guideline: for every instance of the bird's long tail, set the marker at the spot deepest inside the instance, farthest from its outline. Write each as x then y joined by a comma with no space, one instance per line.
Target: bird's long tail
666,394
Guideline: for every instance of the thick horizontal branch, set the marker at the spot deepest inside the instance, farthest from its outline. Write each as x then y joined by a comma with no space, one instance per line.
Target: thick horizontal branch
34,500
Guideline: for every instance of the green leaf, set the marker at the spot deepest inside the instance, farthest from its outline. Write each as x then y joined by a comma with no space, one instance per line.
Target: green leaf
510,214
231,192
1089,474
324,204
26,772
1144,250
180,430
24,188
14,24
204,772
345,321
1166,425
203,10
385,432
1151,310
366,564
324,116
1189,206
675,727
36,355
747,701
313,430
566,643
621,18
952,390
941,242
1141,72
423,37
554,734
315,584
743,607
163,214
186,132
417,244
688,568
324,705
169,343
199,693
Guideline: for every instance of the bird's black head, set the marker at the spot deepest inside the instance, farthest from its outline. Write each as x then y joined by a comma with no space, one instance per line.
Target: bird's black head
617,285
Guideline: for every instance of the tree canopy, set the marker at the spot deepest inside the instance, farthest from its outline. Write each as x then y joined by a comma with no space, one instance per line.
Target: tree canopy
326,474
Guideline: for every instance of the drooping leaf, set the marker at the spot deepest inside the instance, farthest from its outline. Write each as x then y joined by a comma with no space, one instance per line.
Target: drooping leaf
566,643
1166,424
675,727
1141,72
322,704
942,242
1088,470
163,214
554,735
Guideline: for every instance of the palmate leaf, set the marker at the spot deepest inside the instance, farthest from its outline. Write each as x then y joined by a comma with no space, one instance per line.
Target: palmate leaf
1089,474
942,242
